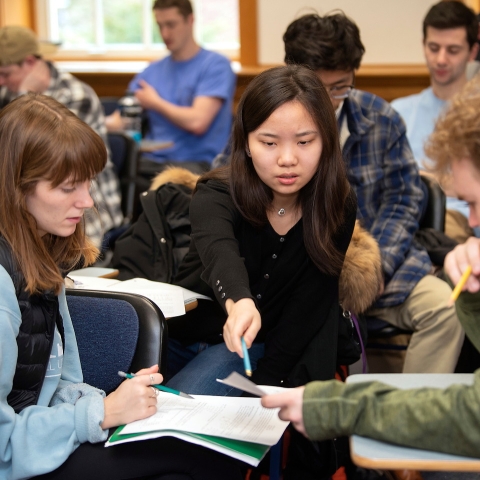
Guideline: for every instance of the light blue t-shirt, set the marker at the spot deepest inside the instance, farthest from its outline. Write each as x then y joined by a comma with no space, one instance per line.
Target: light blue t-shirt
420,113
180,82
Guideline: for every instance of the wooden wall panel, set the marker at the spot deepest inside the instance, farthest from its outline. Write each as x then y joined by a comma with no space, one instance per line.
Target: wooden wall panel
388,82
248,32
16,12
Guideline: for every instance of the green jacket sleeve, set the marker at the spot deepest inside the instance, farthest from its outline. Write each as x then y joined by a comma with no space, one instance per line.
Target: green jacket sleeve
433,419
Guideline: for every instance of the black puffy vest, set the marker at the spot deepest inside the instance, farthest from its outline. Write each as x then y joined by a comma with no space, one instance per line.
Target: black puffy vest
40,314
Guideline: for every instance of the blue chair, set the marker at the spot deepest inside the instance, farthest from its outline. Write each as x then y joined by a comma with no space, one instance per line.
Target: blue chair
116,331
109,104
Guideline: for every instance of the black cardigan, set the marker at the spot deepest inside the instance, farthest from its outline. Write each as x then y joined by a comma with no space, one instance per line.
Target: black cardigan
229,258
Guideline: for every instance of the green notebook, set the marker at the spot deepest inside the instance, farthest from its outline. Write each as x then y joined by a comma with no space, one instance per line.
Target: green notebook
250,453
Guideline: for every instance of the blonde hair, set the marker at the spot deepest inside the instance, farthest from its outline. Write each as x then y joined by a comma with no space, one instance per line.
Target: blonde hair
42,140
457,132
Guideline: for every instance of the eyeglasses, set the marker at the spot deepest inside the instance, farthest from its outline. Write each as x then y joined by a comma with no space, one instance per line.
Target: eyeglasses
339,92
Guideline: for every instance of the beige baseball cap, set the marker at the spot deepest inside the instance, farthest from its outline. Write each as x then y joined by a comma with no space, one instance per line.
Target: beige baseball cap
16,43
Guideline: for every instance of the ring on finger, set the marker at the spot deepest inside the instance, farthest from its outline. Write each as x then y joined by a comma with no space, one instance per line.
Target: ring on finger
154,392
152,379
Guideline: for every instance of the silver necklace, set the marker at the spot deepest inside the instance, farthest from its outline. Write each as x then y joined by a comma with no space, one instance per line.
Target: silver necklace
281,212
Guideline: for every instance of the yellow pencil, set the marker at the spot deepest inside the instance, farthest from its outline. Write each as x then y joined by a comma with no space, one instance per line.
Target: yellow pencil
458,287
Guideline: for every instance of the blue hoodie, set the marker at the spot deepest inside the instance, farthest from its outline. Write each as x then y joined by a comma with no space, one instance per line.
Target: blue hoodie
41,437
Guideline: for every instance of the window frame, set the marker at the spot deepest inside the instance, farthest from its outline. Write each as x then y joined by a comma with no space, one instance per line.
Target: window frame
247,54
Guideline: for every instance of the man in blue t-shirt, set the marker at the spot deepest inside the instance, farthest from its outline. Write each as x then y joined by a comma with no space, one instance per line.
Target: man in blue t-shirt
187,95
450,41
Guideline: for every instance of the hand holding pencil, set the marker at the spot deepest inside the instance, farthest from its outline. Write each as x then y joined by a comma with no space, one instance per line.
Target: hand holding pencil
243,321
459,286
461,259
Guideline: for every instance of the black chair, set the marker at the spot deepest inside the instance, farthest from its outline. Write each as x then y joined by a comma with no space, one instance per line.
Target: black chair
116,331
109,104
433,216
124,157
434,212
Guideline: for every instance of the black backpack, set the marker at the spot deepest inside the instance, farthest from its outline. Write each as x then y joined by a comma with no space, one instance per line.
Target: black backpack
154,246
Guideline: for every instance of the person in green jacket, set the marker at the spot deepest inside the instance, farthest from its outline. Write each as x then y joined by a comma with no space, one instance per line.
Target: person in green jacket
414,418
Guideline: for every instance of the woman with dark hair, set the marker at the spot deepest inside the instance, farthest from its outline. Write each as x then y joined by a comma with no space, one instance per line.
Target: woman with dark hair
49,419
269,235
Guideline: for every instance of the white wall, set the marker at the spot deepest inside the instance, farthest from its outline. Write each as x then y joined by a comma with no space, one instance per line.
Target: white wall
391,30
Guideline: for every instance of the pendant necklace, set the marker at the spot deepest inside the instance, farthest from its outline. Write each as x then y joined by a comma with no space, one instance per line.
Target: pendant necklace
281,212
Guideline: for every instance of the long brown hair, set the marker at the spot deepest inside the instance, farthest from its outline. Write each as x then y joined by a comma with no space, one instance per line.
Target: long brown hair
323,199
42,140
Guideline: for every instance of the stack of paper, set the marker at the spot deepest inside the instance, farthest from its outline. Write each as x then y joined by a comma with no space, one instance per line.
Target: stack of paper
171,299
236,426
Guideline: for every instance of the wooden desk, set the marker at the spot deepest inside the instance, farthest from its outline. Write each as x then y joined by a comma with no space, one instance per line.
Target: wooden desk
373,454
191,305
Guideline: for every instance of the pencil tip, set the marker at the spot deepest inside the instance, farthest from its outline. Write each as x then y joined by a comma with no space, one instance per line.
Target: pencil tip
248,372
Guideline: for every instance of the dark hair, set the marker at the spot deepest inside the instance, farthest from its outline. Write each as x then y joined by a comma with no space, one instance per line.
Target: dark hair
452,14
184,6
331,42
323,199
42,140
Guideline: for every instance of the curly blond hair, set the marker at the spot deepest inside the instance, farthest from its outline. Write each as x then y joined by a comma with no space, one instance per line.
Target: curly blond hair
457,132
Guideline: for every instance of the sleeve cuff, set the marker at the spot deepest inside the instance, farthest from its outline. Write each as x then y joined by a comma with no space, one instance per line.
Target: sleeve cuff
89,413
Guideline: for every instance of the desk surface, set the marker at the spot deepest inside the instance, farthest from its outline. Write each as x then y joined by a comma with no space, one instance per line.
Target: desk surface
368,453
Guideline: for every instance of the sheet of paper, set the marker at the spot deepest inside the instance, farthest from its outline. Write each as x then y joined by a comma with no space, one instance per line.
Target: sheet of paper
238,381
92,283
188,295
169,298
230,417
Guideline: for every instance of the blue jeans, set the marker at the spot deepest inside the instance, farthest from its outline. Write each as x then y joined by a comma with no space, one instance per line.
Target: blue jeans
194,369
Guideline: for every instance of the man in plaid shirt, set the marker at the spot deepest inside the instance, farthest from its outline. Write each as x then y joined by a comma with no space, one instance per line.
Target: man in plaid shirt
385,177
22,69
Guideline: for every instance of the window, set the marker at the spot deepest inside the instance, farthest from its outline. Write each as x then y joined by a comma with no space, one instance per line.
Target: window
127,27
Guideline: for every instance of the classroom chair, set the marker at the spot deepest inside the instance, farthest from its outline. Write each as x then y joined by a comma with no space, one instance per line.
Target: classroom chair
109,104
116,331
124,158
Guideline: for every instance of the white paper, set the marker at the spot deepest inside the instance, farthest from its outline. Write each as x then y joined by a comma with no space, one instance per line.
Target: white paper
171,299
238,381
230,417
93,283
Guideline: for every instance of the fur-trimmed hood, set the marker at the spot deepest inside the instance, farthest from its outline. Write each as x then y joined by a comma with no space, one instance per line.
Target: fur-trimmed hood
178,175
362,269
361,273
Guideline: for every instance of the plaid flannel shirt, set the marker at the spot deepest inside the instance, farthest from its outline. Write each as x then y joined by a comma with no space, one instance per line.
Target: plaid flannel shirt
80,99
385,176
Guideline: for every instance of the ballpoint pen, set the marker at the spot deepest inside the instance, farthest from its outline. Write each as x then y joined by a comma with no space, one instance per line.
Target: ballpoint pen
162,388
246,359
458,287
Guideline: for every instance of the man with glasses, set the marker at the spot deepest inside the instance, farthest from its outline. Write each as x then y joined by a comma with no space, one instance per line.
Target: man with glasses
385,177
